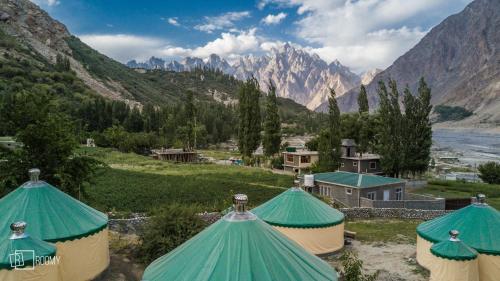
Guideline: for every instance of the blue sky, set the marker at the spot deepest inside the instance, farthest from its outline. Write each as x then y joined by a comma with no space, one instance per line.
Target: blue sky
361,34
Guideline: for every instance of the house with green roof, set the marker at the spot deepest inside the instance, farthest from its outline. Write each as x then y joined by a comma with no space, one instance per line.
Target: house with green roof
353,189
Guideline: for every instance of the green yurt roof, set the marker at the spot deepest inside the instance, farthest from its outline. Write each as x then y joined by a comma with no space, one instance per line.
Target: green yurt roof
239,246
453,249
20,242
478,223
297,208
51,214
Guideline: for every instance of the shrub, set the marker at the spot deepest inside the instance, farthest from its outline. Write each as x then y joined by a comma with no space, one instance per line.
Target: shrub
451,113
353,268
169,227
490,172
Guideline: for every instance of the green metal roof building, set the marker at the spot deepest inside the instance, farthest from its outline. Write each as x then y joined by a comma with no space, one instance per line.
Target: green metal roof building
349,188
479,224
78,231
312,223
239,247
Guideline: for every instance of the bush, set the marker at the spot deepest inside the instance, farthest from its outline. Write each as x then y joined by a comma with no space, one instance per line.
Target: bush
451,113
490,172
277,162
169,227
353,268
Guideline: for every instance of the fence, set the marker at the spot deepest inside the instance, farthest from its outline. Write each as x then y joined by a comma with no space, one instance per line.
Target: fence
412,201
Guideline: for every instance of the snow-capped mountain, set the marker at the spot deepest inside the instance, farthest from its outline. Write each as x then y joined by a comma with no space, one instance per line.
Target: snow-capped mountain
297,74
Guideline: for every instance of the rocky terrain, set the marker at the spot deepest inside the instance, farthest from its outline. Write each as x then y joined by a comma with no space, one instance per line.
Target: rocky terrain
297,74
459,58
27,22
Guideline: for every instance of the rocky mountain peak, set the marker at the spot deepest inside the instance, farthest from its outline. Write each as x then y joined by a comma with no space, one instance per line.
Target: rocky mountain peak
297,74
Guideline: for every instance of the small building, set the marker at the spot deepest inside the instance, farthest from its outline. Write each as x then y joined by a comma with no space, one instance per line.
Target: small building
299,161
351,161
350,189
175,155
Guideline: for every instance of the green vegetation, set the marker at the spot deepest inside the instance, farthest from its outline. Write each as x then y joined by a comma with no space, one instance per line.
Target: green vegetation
140,184
169,227
352,268
490,172
456,189
329,139
249,119
451,113
272,124
384,230
404,140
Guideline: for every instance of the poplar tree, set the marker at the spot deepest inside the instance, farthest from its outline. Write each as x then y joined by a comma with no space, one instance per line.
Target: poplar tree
363,100
330,139
390,126
363,121
272,123
249,117
424,127
409,132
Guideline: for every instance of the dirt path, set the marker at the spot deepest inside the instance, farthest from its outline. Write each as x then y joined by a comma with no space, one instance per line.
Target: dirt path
394,262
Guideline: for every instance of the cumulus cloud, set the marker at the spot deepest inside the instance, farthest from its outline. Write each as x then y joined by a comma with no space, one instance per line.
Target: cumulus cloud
274,19
123,47
222,21
173,21
227,45
366,34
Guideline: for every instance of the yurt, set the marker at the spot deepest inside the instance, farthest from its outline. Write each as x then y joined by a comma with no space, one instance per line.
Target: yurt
479,224
78,231
454,260
19,253
305,219
239,247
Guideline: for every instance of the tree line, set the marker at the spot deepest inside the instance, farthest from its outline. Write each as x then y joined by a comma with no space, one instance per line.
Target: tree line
402,137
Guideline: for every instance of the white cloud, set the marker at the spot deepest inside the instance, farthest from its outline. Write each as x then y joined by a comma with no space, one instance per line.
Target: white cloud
274,19
222,21
366,34
123,47
173,21
227,45
46,2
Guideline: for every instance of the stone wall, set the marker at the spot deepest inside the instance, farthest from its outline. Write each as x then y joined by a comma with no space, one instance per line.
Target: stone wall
367,213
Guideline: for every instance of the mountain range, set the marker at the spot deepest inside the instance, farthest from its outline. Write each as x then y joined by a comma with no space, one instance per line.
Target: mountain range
460,60
297,74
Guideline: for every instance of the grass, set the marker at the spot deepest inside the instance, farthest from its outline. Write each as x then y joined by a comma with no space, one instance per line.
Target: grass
384,230
220,154
135,183
456,189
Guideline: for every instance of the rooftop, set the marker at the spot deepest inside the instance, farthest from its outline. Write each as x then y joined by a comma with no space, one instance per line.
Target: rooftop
348,142
301,152
355,180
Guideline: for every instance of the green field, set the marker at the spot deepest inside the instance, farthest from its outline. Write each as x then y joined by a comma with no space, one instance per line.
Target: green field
135,183
456,189
384,230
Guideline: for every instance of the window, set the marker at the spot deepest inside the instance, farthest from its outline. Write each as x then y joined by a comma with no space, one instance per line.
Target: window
342,165
355,164
399,194
372,195
348,191
373,165
289,158
305,159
